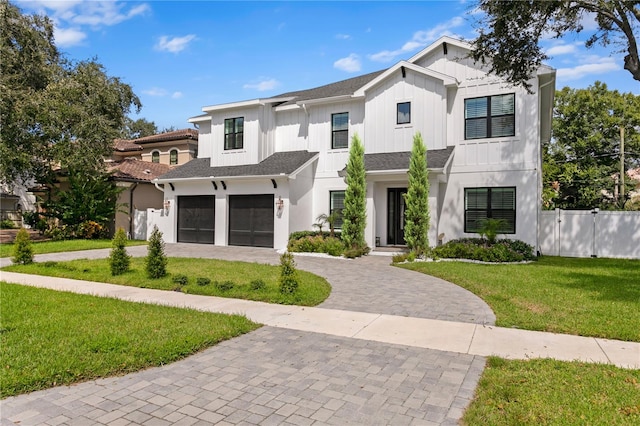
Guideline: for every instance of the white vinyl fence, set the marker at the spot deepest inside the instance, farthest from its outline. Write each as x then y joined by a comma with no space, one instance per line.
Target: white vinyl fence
590,233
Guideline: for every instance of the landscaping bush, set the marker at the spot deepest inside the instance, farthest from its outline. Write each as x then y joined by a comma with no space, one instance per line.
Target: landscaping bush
6,224
317,244
288,274
258,284
478,249
202,281
119,259
354,252
22,249
156,260
301,234
181,279
225,285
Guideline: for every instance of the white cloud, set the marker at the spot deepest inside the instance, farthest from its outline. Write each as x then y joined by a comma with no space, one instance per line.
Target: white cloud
420,39
106,13
175,44
263,85
155,91
349,64
592,65
563,49
343,36
177,95
66,37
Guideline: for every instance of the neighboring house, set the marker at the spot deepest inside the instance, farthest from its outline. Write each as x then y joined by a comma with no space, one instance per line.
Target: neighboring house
269,167
135,163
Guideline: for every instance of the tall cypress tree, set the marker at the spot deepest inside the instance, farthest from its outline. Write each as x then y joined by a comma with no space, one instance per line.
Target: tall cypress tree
354,214
417,199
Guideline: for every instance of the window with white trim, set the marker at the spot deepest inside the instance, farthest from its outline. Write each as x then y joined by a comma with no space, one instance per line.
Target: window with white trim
155,157
490,116
490,203
233,133
340,130
336,205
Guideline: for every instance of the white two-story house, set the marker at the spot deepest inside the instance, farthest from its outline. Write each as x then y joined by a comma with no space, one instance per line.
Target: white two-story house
269,167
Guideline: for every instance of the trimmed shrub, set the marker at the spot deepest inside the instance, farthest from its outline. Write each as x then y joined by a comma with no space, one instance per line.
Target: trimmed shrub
22,249
202,281
258,284
225,285
181,279
477,249
156,260
288,274
6,224
119,259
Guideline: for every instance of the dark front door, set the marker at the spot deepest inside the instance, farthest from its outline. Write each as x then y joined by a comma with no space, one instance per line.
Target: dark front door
395,216
251,220
196,219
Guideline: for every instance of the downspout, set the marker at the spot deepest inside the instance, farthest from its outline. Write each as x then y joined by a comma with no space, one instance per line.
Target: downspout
133,188
539,185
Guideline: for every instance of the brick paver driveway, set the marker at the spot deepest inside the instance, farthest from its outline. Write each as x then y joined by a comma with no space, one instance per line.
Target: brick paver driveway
279,376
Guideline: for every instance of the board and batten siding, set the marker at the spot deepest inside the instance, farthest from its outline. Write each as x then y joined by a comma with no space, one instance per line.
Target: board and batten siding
428,113
252,138
205,140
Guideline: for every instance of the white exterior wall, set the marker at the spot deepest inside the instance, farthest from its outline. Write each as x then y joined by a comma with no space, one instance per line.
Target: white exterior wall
253,138
291,131
428,113
205,140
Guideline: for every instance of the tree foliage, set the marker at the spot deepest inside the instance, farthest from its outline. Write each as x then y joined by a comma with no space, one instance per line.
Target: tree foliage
22,248
582,162
156,260
354,215
89,197
288,274
134,129
55,113
119,259
510,32
417,199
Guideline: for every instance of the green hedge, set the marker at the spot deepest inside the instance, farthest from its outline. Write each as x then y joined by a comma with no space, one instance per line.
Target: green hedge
479,249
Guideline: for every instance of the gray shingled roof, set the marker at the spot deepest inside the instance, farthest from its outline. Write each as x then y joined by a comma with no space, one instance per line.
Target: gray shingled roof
339,88
436,159
276,164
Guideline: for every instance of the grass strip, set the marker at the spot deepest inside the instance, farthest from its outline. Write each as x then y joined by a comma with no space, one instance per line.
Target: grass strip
43,247
236,277
549,392
586,297
50,338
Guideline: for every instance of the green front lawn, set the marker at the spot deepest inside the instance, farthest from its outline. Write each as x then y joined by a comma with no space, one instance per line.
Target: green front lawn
549,392
587,297
50,338
43,247
313,289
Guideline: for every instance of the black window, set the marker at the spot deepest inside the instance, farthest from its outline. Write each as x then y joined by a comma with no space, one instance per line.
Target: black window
404,113
336,205
173,156
155,157
490,203
490,116
340,130
233,133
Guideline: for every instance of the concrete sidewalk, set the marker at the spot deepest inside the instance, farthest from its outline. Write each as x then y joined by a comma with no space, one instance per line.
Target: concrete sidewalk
458,337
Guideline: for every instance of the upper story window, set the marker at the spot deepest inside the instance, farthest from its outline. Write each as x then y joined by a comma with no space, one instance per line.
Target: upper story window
490,116
404,113
490,203
155,157
340,130
233,133
173,156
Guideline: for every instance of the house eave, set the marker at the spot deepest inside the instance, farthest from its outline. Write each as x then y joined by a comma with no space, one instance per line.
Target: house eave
446,80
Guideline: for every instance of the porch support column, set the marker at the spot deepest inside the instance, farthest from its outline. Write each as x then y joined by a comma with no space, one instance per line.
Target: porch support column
370,229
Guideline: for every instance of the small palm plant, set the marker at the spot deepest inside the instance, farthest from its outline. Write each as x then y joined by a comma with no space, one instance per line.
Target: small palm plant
490,228
329,219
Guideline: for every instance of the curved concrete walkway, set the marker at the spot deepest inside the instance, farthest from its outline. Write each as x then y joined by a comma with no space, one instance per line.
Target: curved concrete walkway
356,359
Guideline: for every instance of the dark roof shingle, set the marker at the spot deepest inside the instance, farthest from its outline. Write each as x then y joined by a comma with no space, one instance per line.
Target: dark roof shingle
436,159
276,164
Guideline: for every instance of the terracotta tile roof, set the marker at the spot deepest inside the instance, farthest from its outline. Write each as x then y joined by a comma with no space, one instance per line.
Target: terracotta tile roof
122,145
168,136
134,170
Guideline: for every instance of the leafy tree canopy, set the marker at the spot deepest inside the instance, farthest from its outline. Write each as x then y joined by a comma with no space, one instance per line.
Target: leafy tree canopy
134,129
54,112
510,32
582,161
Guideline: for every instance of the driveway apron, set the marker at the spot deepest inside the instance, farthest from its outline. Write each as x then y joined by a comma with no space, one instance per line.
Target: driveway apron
281,376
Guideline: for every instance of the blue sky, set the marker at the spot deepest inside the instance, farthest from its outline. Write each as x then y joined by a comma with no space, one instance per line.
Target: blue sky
180,56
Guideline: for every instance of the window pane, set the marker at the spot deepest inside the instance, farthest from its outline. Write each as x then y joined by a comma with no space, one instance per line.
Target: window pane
476,128
173,157
476,198
503,126
228,126
474,108
404,113
155,157
473,220
337,205
239,124
340,121
503,198
239,140
503,105
340,140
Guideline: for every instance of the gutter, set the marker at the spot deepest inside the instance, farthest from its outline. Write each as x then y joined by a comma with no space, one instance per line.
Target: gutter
133,188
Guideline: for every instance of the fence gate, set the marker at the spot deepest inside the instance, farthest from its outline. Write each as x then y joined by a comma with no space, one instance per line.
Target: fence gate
139,225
